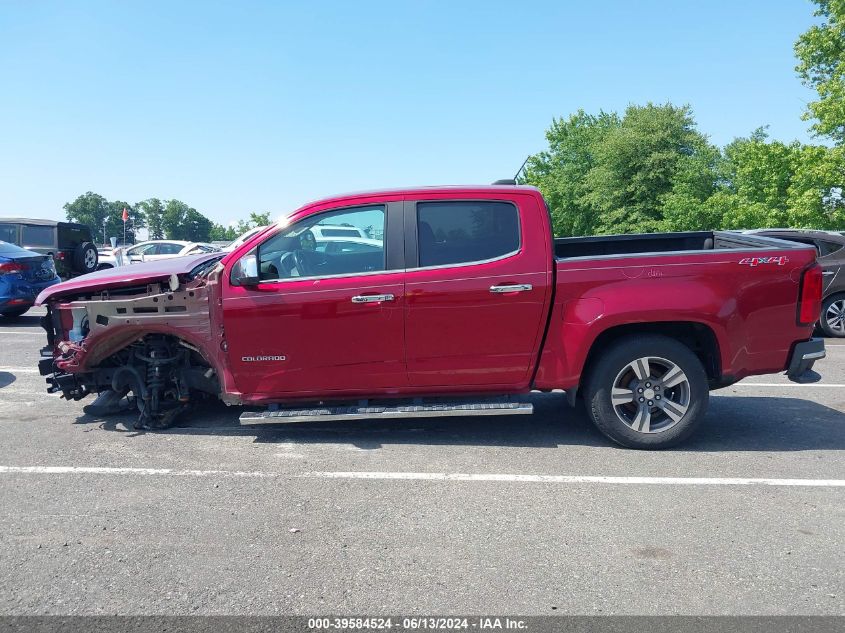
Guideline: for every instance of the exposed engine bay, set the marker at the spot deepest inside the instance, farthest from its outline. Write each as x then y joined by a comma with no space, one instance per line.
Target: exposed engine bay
136,347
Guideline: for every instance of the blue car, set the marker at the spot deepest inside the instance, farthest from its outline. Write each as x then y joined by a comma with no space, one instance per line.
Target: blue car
23,274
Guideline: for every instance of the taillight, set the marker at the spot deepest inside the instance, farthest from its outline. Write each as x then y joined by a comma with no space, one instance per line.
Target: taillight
810,296
8,268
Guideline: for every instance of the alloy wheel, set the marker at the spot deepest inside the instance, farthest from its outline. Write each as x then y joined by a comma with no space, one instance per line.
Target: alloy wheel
835,316
651,394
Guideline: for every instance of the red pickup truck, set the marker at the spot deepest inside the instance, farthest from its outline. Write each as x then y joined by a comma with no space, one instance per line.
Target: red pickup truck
440,301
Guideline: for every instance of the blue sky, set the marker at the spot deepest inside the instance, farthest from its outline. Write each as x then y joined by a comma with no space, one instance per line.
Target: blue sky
242,106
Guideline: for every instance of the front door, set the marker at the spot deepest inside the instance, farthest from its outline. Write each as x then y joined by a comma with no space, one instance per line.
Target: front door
322,322
477,295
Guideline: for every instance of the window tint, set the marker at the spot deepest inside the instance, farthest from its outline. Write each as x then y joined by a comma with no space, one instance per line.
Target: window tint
71,235
827,248
460,232
295,252
147,249
9,233
37,235
169,249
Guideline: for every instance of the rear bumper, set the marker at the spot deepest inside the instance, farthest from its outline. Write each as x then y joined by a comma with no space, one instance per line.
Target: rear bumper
804,355
14,294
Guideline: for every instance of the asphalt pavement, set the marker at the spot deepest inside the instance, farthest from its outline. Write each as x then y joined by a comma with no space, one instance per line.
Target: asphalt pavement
529,515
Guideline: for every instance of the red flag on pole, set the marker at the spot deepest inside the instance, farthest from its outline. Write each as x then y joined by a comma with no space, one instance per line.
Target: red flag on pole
125,214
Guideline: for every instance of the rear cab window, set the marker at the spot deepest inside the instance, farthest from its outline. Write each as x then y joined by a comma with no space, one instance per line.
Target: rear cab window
826,248
41,236
463,232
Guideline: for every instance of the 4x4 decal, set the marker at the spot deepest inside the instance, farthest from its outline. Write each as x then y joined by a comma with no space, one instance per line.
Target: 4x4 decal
755,261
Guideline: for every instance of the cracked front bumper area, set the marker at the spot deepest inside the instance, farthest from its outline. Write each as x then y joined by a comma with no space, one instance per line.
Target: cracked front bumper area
804,355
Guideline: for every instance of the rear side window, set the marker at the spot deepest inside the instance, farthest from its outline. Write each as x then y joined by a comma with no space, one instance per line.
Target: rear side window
464,232
827,248
37,235
71,235
170,249
9,233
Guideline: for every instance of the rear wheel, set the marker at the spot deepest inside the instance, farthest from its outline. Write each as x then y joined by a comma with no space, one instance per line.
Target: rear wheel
647,392
832,320
14,312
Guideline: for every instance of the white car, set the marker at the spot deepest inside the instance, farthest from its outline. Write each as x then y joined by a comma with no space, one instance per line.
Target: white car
243,238
348,245
322,232
107,258
164,249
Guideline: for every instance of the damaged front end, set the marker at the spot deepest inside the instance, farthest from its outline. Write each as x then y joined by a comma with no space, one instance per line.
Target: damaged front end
142,347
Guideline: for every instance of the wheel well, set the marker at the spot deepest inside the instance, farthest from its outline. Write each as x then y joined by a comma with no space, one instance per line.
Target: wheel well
698,337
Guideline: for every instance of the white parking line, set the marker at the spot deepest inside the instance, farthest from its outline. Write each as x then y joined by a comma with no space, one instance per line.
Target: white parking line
467,477
19,370
787,384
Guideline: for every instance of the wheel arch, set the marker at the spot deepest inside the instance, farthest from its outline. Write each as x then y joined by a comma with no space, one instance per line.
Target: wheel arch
698,337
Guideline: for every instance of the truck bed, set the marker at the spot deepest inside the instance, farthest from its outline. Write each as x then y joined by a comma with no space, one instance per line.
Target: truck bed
659,243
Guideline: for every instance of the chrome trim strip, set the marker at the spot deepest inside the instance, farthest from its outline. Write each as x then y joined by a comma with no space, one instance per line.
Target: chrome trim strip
511,288
370,413
814,355
372,298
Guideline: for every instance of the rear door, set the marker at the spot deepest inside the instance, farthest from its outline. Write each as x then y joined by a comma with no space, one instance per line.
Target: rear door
478,289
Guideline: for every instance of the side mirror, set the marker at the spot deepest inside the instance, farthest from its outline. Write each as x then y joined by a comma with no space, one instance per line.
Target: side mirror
245,270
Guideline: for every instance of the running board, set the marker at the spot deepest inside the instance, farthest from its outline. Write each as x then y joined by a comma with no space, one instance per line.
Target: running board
327,414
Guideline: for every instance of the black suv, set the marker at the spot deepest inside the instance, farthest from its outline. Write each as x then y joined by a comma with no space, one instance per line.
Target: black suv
70,244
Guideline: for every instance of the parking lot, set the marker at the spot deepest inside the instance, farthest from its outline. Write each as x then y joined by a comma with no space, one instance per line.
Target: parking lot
528,514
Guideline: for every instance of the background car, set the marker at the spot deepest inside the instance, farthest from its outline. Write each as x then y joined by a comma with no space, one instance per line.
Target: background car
324,231
70,244
348,245
23,274
106,258
831,249
243,238
164,249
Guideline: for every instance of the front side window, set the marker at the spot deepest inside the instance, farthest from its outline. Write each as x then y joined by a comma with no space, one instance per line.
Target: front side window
296,251
463,232
37,236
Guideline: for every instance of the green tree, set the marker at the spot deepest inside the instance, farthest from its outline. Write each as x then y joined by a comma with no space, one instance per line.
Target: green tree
230,233
654,153
648,170
561,171
153,211
95,211
821,66
181,222
770,183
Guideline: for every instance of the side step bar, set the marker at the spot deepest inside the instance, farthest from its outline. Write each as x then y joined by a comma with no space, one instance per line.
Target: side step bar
327,414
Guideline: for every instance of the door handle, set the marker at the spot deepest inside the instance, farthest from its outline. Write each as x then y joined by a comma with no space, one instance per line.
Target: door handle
372,298
511,288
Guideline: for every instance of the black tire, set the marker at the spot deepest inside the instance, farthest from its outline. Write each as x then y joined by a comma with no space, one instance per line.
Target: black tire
14,312
617,363
85,258
828,322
